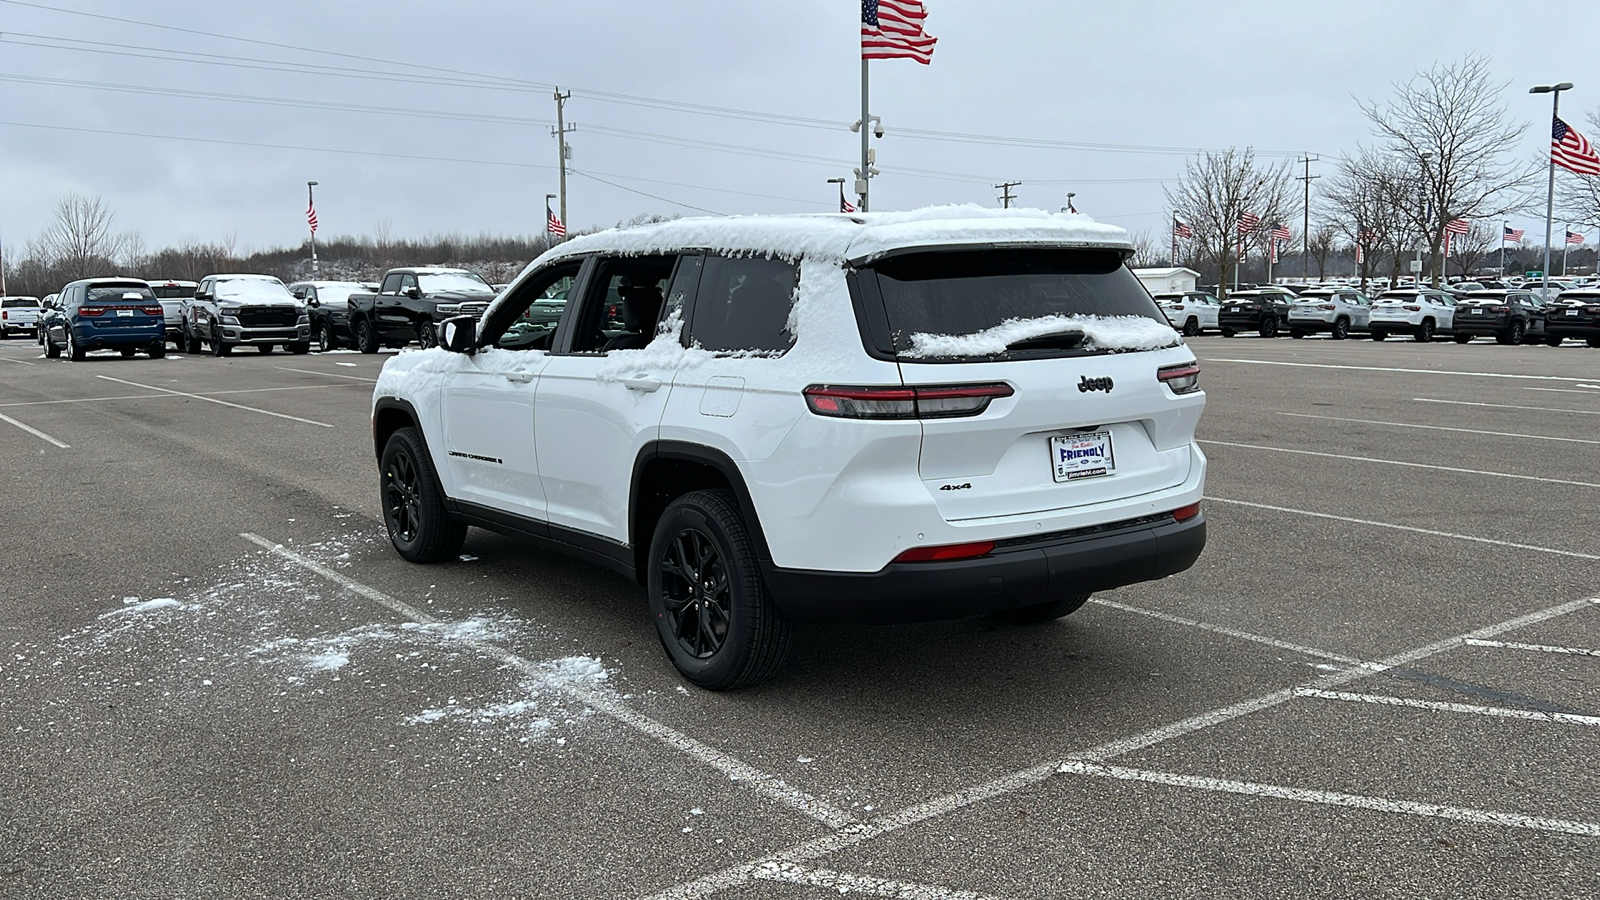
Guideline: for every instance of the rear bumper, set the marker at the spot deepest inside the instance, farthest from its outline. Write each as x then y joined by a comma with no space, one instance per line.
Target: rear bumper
1012,576
1574,330
95,338
1482,328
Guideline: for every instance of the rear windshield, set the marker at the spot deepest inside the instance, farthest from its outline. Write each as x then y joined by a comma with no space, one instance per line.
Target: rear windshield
1017,304
114,293
172,292
14,302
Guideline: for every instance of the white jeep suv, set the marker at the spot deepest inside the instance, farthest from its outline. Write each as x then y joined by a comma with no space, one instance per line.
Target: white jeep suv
1422,313
769,420
1338,311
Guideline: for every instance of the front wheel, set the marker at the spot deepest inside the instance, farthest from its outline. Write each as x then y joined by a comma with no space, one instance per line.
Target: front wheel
298,349
325,339
51,351
264,348
219,347
428,335
420,527
157,350
1040,613
366,337
191,344
712,611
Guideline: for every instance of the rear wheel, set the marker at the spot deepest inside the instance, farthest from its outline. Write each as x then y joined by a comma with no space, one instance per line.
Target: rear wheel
265,348
366,337
1552,341
1424,332
1519,333
75,351
712,611
1379,335
1191,327
420,527
1228,332
157,350
428,335
1297,334
1040,613
1269,327
1341,329
1463,338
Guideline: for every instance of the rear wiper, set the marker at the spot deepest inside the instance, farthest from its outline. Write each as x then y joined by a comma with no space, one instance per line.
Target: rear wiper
1060,340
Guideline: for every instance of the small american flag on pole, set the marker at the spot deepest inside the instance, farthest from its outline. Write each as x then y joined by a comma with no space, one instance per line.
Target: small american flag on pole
1513,235
892,29
311,217
1574,238
1457,226
1571,150
553,224
1248,222
1182,230
1280,232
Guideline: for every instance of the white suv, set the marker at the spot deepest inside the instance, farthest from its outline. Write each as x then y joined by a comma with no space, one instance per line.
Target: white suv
1421,313
769,420
1338,311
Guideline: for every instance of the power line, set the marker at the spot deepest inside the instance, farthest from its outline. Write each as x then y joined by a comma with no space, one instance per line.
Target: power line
644,194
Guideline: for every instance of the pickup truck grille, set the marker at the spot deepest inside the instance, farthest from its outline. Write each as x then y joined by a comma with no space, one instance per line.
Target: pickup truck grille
267,316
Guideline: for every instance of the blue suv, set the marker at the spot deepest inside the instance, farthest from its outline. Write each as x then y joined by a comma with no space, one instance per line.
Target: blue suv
106,314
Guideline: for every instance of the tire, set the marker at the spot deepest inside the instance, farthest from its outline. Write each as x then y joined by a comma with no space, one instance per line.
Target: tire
325,338
1269,327
737,637
219,347
1228,332
1463,338
298,349
127,352
265,348
1379,335
1519,333
157,351
1040,613
419,526
1424,332
75,351
1594,342
428,335
1341,329
1191,327
51,351
1297,334
1552,341
192,344
366,337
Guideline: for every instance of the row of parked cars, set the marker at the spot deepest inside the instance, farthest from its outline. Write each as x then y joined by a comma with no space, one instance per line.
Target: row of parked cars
222,312
1509,315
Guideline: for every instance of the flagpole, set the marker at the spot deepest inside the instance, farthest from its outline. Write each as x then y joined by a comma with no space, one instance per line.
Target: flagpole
1503,227
863,180
1550,199
1174,241
1566,246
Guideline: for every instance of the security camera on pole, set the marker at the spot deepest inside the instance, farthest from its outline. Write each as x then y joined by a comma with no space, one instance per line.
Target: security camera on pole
890,29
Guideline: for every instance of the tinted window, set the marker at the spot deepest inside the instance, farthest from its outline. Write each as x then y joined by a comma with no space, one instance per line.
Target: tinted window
172,292
534,310
967,292
113,293
744,304
391,284
14,302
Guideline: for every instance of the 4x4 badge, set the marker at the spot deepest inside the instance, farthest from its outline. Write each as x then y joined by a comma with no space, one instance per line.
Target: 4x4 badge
1095,384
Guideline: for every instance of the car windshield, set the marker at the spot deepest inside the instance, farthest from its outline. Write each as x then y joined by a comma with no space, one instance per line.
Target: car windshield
116,293
336,294
459,282
253,290
14,302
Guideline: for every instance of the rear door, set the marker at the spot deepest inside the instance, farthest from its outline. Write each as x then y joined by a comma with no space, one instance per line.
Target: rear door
1078,344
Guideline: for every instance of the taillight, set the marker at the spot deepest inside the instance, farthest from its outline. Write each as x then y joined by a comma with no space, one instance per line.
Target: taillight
1498,309
1412,308
1183,378
92,310
1326,306
1177,307
946,552
935,402
1185,513
152,310
1592,310
4,315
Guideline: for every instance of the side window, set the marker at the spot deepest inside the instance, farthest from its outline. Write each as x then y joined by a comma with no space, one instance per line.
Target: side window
532,313
744,304
391,284
407,282
621,304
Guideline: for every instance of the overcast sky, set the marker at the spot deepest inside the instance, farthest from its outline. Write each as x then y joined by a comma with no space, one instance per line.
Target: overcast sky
1172,75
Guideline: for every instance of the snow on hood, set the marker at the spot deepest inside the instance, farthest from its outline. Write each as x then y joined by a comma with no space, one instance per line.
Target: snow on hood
1099,333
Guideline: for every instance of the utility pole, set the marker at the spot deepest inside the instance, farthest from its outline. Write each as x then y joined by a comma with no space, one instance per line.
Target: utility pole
560,133
1305,232
1006,198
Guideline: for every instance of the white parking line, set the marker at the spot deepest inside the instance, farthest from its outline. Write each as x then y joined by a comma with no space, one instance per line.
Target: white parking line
1535,648
34,431
265,412
846,883
862,832
1230,632
1264,362
770,786
1528,437
20,362
1498,712
1412,465
300,387
328,374
1414,530
1576,412
1333,798
1566,391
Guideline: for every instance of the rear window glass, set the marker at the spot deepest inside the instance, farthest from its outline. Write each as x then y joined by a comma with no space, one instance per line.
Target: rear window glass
172,292
14,302
112,293
1005,304
744,304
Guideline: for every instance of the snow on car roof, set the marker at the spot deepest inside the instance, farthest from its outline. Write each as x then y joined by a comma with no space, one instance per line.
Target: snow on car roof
857,237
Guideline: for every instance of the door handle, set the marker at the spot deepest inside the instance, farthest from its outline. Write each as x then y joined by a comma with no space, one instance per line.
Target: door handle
519,377
643,383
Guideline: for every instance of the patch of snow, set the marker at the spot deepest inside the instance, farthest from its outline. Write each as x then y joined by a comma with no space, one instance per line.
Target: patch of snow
804,759
577,670
132,606
1099,333
326,661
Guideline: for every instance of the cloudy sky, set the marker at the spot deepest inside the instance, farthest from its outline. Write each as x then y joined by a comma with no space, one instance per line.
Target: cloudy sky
205,119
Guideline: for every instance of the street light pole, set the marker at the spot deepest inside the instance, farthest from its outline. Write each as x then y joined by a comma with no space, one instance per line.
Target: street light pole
311,206
1550,201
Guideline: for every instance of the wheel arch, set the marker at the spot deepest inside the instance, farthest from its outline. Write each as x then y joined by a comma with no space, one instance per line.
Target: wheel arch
390,414
666,470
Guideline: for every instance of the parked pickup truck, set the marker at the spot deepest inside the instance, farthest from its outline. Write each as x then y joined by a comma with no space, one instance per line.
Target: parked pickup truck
20,315
410,304
228,311
172,294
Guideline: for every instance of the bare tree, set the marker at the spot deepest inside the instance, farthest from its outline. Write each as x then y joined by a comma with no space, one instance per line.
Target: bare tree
1470,249
1450,128
1146,253
1363,201
1320,245
79,242
1578,196
1217,190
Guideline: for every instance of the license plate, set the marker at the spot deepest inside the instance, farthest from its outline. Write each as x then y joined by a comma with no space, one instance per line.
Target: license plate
1084,455
1477,311
125,312
1572,312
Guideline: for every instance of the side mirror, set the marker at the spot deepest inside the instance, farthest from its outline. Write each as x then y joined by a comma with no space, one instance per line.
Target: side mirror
459,334
199,295
414,293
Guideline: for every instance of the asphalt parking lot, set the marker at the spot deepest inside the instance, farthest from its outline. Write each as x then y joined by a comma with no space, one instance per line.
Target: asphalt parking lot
1382,679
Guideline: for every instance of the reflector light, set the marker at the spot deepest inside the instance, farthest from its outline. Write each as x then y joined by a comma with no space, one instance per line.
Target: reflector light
1185,513
947,552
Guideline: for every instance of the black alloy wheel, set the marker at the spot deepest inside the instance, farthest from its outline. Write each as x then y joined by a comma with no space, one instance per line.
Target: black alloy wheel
420,527
366,338
219,347
1379,335
1191,327
325,339
1269,327
1341,329
696,593
428,335
1424,332
1519,333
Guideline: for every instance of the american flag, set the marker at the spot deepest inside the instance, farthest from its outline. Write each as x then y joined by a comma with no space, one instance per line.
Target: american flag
1457,226
1181,230
892,29
1280,232
311,217
1574,238
1248,222
1570,150
1361,255
553,224
845,206
1513,235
